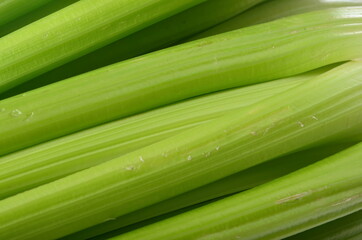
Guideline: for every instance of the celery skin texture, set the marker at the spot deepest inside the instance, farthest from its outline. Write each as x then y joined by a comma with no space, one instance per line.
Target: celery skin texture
220,148
35,15
55,159
272,10
235,183
233,59
339,229
13,9
319,193
75,31
159,35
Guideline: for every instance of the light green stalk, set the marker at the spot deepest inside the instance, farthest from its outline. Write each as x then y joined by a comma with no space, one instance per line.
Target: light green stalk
34,15
340,229
309,197
75,31
238,58
13,9
52,160
317,111
238,182
157,36
272,10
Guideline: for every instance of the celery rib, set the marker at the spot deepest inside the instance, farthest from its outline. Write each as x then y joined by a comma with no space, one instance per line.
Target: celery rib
235,183
272,10
34,15
226,145
340,229
229,60
309,197
157,36
13,9
52,160
75,31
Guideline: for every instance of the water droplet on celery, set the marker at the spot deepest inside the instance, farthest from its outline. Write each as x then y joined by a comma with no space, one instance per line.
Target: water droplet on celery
29,116
130,168
16,113
189,157
141,159
301,124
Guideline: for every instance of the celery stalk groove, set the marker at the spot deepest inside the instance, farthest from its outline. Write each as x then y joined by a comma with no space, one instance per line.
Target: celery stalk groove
238,182
237,141
272,10
12,9
229,60
157,36
307,198
75,31
52,160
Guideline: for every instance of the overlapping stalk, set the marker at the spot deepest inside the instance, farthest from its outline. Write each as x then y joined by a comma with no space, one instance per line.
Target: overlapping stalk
157,36
311,196
13,9
272,10
75,31
235,183
52,160
237,141
233,59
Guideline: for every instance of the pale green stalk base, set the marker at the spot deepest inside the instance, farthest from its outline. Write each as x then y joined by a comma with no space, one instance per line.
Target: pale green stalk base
252,55
324,191
157,36
274,127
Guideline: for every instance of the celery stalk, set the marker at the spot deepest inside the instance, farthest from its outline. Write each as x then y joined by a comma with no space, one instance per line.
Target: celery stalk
310,113
75,31
238,182
309,197
340,229
248,56
52,160
157,36
12,9
33,15
272,10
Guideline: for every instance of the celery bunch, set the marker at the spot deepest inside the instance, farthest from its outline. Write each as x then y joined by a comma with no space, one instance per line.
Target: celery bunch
254,133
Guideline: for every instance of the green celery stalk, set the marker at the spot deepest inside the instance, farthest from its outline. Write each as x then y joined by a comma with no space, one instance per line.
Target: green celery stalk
157,36
75,31
339,229
13,9
309,197
238,182
239,58
244,138
35,14
55,159
272,10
